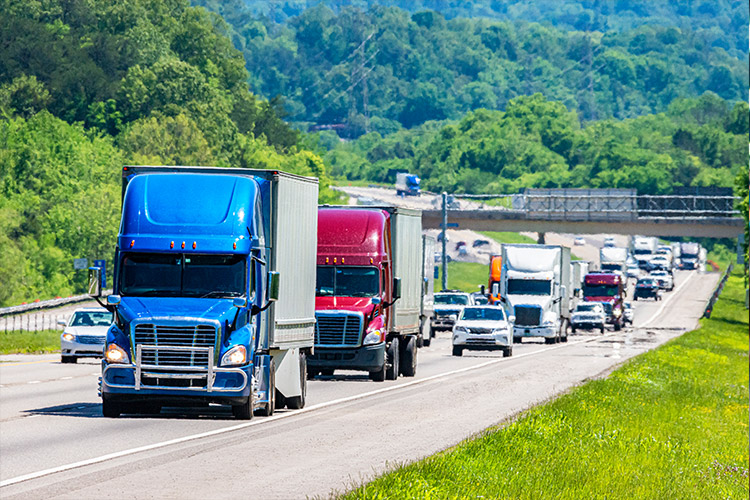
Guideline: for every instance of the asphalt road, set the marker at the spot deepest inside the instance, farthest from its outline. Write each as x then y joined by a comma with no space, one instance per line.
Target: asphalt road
55,443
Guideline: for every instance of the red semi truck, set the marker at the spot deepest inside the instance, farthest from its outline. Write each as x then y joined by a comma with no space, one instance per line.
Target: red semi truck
609,289
371,291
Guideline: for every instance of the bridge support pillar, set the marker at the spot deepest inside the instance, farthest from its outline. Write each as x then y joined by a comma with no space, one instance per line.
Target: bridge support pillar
540,238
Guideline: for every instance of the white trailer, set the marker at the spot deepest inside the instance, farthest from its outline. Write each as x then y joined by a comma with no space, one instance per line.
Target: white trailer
535,286
429,244
614,260
578,269
644,248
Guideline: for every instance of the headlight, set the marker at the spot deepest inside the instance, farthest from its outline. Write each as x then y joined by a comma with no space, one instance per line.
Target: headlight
459,329
454,317
237,355
617,312
69,337
502,330
116,354
374,337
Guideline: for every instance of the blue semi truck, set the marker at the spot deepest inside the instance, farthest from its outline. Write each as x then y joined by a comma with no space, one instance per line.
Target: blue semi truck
213,298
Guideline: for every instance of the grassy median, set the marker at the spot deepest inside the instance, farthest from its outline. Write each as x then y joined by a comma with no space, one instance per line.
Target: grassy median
671,423
23,342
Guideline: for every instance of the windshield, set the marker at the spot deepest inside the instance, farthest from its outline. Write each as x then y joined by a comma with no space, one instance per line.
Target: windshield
607,307
181,275
91,318
645,283
588,307
485,313
452,299
600,290
611,267
642,251
529,287
343,281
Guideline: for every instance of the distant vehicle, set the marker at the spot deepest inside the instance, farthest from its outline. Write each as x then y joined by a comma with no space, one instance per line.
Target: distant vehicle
647,288
689,255
660,263
483,328
479,299
633,271
439,258
588,316
366,200
85,334
609,241
664,279
450,200
579,241
643,249
609,289
480,243
496,273
614,260
628,312
407,184
448,305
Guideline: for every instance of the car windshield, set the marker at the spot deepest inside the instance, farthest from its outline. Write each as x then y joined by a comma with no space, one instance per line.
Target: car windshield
529,287
483,313
182,275
588,307
91,318
646,282
600,290
607,307
451,299
481,299
344,281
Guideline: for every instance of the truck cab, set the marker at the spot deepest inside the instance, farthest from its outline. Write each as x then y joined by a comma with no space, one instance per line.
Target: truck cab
609,289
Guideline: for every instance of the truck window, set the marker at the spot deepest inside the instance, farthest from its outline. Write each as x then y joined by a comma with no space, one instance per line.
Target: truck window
529,287
600,290
180,275
343,281
452,299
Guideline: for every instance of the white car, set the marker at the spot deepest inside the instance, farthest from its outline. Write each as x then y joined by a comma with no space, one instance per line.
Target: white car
483,328
609,241
448,306
84,334
579,241
627,312
588,316
634,272
665,280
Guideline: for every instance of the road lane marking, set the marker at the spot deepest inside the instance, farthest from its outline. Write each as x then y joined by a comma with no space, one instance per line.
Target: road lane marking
665,302
34,382
29,363
264,420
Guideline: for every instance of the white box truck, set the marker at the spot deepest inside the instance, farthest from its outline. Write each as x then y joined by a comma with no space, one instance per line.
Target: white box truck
535,288
614,260
644,248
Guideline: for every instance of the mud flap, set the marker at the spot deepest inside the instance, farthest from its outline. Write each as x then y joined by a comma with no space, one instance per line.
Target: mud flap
288,377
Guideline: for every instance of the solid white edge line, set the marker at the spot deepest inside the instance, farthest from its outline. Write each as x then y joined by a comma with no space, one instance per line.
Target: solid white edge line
263,420
665,302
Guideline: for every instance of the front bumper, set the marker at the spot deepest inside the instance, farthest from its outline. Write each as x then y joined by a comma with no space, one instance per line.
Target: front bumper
534,331
587,325
485,342
80,350
367,358
442,323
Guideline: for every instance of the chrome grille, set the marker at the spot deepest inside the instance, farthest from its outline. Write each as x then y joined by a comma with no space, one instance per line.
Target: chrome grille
90,339
176,336
337,329
528,315
476,330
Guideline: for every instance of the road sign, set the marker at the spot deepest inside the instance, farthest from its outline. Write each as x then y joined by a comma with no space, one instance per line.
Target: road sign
102,264
79,264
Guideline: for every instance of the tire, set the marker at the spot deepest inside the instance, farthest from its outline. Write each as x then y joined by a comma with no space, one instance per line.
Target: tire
420,342
279,400
378,375
635,298
68,359
550,340
244,411
392,356
517,340
298,402
457,351
601,329
426,341
110,408
408,357
572,329
507,352
618,327
267,410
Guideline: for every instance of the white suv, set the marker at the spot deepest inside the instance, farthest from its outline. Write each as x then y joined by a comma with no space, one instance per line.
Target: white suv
588,316
448,305
483,328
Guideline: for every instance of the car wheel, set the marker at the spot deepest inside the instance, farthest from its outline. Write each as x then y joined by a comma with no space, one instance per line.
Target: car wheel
507,352
408,357
457,351
601,329
68,359
391,361
517,340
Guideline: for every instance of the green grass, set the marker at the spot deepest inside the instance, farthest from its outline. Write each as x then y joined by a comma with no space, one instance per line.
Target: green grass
466,276
22,342
506,237
669,424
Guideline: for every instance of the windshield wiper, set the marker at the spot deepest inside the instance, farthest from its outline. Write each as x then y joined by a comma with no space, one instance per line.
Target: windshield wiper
220,293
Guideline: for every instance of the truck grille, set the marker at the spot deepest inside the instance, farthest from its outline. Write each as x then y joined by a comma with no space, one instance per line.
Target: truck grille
528,315
178,336
337,329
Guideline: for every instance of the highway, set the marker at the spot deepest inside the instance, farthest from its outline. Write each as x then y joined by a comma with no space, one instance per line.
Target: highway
54,443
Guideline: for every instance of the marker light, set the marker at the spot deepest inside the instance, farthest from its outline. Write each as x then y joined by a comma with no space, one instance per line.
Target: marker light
234,245
334,260
115,354
193,245
326,260
171,244
183,244
342,260
132,242
237,355
69,337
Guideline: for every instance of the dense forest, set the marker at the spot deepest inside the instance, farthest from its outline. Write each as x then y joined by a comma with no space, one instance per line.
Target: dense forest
87,87
384,69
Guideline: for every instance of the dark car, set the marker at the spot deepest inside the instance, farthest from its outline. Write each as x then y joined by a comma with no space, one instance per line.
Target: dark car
647,288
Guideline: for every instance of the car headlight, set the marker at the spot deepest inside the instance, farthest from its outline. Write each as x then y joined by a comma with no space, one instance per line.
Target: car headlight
237,355
459,329
374,337
500,331
454,317
617,312
116,354
69,337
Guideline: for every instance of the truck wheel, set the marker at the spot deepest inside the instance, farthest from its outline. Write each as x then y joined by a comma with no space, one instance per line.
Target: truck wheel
378,375
601,329
507,352
618,327
244,411
408,361
420,341
550,340
298,402
391,361
267,410
279,400
110,409
635,297
68,359
457,351
572,329
426,341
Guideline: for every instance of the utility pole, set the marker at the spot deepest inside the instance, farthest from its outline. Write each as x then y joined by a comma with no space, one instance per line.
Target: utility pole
445,225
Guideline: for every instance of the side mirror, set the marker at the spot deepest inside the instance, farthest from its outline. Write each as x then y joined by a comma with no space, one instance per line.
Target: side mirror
62,322
95,282
482,289
511,319
239,302
396,288
495,290
113,300
376,300
273,286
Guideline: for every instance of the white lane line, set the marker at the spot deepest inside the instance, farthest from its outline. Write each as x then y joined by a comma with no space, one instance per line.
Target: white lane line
66,378
665,302
216,432
34,382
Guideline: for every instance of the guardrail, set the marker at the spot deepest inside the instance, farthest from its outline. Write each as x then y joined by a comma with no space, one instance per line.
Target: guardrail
44,304
717,292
